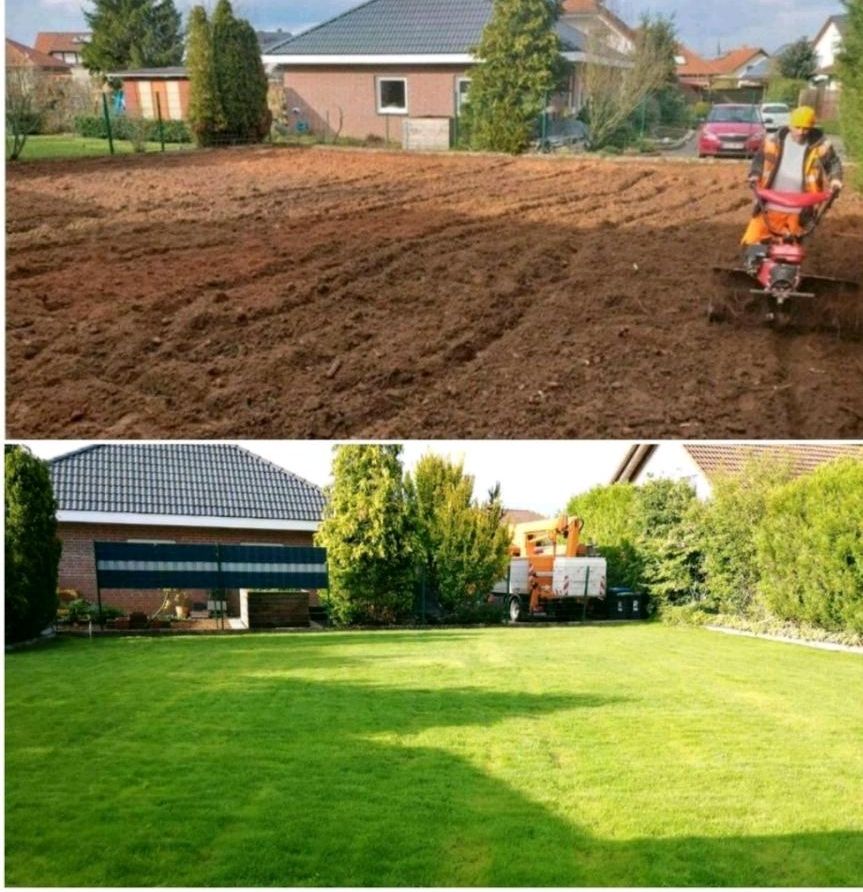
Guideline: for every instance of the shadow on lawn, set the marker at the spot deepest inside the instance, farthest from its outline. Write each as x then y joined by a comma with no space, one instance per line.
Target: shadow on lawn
287,781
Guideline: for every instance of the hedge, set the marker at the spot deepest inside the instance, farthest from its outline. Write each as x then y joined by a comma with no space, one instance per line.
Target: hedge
94,126
764,547
810,548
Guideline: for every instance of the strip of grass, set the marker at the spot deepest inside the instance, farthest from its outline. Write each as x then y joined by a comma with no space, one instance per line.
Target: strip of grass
631,755
41,148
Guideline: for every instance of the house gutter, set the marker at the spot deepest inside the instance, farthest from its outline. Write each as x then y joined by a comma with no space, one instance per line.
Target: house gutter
281,59
187,520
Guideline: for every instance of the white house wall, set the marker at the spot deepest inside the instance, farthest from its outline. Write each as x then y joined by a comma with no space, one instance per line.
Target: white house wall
671,461
828,46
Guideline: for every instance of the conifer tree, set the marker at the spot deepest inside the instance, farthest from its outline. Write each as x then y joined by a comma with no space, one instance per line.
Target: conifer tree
367,534
520,65
241,82
205,113
32,549
130,34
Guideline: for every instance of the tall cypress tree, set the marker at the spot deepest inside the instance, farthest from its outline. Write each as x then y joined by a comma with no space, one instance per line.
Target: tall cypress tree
133,34
32,549
520,66
205,113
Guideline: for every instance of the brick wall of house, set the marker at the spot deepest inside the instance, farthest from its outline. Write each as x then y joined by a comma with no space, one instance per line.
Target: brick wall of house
316,91
78,565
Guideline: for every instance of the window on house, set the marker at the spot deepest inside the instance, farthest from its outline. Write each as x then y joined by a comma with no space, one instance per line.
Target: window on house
462,91
392,96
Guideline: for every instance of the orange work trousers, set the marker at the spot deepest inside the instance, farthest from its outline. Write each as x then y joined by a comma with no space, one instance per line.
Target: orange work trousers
758,230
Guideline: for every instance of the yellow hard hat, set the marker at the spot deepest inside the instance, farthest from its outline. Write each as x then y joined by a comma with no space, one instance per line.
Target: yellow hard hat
803,117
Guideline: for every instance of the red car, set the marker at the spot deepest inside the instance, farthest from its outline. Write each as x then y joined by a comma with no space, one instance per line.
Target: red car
731,130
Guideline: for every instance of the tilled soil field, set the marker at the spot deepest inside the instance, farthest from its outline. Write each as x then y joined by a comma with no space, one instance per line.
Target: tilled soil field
331,293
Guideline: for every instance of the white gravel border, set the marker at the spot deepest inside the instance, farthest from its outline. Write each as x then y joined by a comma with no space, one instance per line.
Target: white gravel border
821,645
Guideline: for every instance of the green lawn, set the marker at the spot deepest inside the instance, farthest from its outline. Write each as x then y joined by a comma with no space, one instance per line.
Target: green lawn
627,755
39,148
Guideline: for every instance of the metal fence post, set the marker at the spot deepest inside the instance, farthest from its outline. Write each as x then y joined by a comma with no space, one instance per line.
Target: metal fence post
107,121
161,125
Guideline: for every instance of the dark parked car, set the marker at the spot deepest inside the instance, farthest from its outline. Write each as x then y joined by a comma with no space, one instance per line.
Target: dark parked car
731,130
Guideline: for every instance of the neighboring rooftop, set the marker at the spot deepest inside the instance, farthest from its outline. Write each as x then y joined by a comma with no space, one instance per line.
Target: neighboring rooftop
598,9
268,39
19,54
406,27
841,23
732,457
62,41
737,59
512,516
181,479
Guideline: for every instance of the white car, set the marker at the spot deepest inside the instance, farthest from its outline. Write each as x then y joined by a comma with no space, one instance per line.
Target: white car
775,115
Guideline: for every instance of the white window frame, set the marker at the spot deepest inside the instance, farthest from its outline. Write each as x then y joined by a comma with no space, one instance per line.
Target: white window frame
390,111
460,98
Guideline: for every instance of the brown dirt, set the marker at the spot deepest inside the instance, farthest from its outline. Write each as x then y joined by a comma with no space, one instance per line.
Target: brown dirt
314,293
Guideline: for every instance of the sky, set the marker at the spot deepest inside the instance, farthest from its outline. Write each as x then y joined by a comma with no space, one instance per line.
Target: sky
704,25
536,475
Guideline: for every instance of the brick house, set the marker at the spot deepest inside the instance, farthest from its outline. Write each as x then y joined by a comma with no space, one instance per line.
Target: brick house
176,493
66,47
366,71
697,463
20,56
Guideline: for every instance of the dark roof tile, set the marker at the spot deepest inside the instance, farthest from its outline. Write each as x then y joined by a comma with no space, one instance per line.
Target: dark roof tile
206,480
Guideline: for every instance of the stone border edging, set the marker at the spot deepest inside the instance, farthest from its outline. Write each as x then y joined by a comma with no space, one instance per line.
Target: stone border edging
783,639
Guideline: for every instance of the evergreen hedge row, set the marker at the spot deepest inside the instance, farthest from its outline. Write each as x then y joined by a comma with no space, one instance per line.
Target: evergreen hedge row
764,545
94,127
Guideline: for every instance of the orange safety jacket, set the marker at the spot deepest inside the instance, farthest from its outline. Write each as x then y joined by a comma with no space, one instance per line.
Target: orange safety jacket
821,164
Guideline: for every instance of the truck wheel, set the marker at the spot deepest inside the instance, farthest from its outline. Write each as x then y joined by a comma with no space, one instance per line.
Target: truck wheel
514,610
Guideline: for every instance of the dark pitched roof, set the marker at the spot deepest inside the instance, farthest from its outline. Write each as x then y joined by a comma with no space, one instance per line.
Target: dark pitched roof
201,480
402,27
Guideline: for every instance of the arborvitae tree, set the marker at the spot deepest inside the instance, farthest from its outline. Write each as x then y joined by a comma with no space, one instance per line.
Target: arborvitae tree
241,82
520,66
367,534
205,113
461,545
799,61
850,70
32,547
133,34
258,118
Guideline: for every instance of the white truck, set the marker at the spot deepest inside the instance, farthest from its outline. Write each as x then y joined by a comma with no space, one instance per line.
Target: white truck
546,585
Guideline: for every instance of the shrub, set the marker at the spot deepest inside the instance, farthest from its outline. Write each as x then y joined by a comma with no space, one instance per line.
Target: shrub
726,532
94,127
810,548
